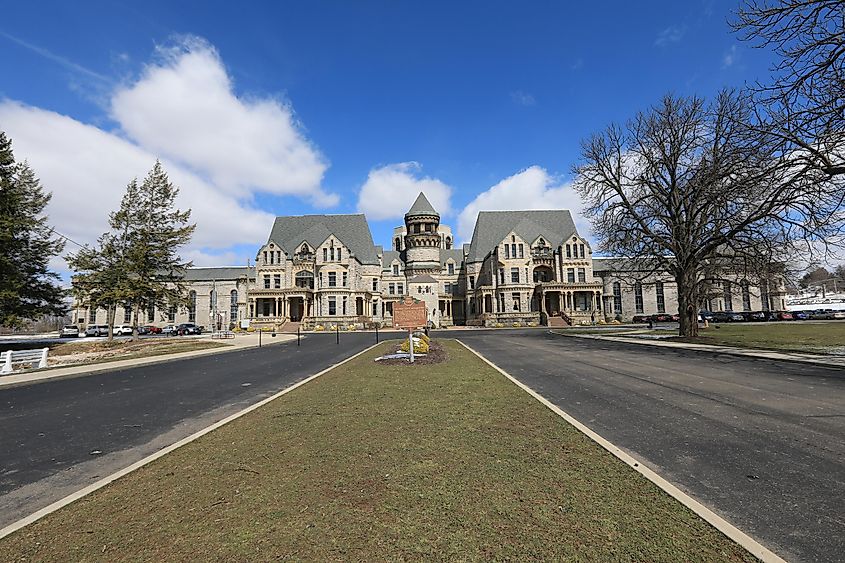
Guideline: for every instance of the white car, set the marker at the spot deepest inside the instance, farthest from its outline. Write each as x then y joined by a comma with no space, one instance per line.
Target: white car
69,331
122,330
839,315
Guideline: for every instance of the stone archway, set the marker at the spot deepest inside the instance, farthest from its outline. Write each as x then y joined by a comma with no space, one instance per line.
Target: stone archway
543,274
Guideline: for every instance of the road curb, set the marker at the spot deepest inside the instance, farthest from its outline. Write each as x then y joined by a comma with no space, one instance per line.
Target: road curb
731,531
711,348
164,451
43,376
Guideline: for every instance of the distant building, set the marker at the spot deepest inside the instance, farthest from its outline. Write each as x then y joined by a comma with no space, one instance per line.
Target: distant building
520,268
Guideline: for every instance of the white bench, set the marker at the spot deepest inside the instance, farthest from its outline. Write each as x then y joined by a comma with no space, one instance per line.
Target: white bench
36,358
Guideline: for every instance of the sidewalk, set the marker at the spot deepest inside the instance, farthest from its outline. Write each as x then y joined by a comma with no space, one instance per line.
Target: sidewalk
829,361
240,342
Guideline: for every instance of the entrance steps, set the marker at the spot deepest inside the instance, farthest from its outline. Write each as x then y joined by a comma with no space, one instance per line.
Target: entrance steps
290,327
558,322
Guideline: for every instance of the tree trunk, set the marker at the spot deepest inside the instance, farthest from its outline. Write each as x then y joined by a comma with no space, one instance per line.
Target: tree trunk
110,320
687,304
136,309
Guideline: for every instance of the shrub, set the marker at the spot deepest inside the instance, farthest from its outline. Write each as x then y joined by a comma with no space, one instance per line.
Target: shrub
420,346
319,328
516,324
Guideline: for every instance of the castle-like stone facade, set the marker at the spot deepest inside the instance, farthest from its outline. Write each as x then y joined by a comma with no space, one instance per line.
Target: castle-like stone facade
521,268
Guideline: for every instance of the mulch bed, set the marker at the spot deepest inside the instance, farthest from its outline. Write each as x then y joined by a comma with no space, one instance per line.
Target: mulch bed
435,355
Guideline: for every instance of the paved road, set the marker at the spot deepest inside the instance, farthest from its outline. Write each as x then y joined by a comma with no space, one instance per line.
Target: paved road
761,442
58,436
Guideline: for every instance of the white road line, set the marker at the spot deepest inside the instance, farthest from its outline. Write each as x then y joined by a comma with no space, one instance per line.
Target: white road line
138,464
734,533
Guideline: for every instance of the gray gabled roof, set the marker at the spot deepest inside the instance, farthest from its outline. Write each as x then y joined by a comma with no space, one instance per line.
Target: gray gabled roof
492,227
421,207
609,264
456,254
220,274
352,230
389,256
422,278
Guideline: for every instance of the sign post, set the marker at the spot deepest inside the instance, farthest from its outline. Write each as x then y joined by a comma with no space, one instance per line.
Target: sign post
409,314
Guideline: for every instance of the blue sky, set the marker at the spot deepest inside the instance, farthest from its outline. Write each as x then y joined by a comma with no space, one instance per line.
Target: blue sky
483,104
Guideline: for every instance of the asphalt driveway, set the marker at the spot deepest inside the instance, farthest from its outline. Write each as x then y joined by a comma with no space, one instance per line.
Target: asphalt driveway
760,442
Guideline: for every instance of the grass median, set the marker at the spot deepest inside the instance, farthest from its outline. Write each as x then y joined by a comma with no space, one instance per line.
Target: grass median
785,336
372,462
78,353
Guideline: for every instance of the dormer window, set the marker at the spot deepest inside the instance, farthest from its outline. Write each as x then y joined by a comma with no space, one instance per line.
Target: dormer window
450,268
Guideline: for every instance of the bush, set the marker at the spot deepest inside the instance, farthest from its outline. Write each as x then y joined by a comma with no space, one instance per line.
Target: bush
420,346
516,324
319,328
499,325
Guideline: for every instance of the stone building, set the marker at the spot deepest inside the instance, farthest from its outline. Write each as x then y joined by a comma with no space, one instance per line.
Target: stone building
520,268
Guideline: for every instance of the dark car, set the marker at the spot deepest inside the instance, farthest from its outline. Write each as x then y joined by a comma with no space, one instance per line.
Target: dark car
706,316
639,319
757,316
661,318
822,315
188,328
800,315
721,317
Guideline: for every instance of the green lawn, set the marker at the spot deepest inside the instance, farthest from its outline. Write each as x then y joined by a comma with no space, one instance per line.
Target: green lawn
375,462
793,336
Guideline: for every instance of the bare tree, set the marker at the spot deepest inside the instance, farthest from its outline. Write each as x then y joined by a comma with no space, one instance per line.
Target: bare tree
805,103
703,192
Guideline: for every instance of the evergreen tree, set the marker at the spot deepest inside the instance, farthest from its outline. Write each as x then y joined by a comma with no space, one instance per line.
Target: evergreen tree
137,264
28,289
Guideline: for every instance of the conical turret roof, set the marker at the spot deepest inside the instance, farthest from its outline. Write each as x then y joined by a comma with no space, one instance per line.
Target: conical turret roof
421,207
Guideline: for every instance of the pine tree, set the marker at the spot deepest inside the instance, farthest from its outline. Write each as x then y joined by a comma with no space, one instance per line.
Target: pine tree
137,264
28,289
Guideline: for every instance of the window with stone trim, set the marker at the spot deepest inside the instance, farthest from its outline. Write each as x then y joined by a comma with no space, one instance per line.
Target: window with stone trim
729,303
345,279
92,315
332,306
127,314
375,284
581,250
391,288
233,305
514,275
746,297
266,281
570,275
325,254
400,288
515,298
472,282
617,298
396,269
277,281
582,275
171,314
521,251
450,267
507,251
568,251
638,297
332,279
661,298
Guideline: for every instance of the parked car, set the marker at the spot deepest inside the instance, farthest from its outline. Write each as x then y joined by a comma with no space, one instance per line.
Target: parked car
661,318
97,330
705,316
676,318
143,330
822,315
800,315
122,330
169,330
69,331
785,316
188,328
736,317
756,316
721,317
639,319
152,329
839,315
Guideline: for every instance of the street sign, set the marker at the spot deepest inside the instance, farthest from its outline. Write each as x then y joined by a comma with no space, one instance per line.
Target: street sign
409,314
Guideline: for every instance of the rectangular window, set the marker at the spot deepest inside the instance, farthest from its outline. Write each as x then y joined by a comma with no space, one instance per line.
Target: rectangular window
332,279
391,288
513,250
277,281
661,299
375,284
400,289
507,251
501,276
344,306
568,251
265,256
582,275
345,279
515,297
325,255
332,306
729,305
514,275
266,282
338,255
638,297
171,314
764,296
581,250
331,254
746,297
396,269
570,275
92,315
617,298
521,251
451,269
127,315
472,282
151,313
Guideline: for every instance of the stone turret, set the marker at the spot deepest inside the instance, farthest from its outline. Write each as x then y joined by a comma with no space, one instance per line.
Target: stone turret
422,240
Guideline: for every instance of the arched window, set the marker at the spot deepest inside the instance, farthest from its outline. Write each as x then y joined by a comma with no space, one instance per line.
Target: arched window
192,307
397,243
233,305
617,298
448,243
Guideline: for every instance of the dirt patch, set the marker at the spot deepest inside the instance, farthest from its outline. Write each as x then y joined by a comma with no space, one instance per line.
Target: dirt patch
74,353
435,355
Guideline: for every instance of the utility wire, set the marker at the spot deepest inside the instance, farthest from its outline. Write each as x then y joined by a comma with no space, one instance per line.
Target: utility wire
67,238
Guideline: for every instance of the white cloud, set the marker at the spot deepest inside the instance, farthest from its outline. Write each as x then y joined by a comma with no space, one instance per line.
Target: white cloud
184,108
220,149
523,98
729,58
532,188
87,170
672,34
390,191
